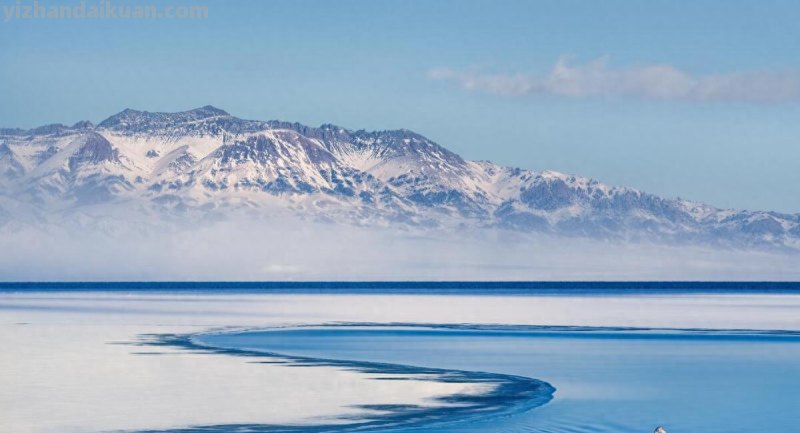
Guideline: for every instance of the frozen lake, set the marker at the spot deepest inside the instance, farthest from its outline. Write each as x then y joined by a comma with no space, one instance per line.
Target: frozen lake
606,381
74,359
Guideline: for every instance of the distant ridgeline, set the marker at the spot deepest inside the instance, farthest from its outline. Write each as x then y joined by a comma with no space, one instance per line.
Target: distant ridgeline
205,161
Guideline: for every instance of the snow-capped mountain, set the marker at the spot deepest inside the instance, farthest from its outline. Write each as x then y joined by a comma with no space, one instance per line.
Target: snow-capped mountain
205,160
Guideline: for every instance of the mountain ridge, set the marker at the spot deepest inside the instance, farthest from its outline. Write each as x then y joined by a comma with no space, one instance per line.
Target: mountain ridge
205,160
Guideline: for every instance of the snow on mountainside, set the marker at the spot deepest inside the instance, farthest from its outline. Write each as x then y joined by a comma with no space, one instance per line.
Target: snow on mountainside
206,160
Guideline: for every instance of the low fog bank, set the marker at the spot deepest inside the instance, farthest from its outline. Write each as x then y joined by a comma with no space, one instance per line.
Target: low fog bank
286,249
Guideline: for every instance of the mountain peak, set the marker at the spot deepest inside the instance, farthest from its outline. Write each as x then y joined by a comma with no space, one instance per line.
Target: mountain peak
83,124
142,121
209,111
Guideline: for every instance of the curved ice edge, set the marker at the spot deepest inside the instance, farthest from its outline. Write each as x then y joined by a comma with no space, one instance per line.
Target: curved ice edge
559,330
511,394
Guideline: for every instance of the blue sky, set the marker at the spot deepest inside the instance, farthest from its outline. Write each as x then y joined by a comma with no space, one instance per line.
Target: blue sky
693,99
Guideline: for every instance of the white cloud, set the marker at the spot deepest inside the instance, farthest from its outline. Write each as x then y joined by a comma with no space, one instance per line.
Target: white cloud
656,82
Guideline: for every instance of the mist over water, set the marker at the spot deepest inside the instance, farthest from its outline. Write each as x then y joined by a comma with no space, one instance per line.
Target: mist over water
282,248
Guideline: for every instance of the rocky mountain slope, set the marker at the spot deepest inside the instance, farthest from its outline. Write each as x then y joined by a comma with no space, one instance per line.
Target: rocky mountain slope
206,161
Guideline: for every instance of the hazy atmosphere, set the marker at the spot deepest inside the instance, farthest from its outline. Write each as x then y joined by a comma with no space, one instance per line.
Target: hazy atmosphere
269,250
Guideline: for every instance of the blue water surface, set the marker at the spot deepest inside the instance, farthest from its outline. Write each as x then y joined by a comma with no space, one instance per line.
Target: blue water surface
417,287
606,381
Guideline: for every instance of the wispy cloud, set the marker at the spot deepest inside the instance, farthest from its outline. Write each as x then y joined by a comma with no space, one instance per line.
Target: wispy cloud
655,82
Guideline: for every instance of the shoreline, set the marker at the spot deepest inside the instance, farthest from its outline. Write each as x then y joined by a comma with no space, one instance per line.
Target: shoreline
509,394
